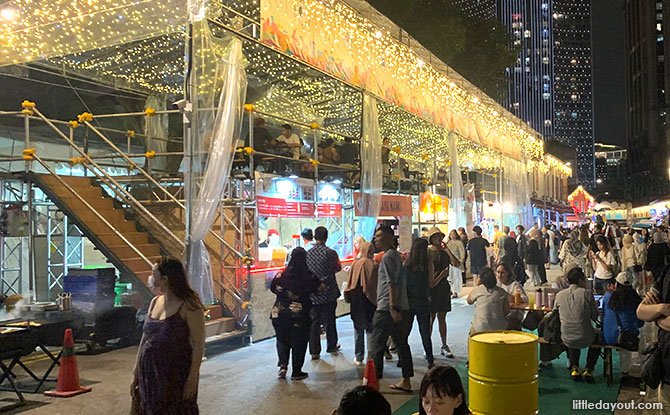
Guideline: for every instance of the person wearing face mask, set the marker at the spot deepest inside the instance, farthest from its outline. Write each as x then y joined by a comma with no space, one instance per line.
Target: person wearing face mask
166,374
442,393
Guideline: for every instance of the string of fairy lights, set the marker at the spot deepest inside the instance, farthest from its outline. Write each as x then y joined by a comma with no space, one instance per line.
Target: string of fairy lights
141,43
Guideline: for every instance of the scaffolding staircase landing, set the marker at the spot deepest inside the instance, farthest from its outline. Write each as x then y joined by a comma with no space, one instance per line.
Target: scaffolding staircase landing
131,251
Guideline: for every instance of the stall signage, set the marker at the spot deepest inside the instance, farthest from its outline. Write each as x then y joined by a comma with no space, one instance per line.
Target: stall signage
391,205
432,203
294,198
276,207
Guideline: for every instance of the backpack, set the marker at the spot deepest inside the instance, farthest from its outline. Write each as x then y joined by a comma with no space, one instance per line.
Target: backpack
552,327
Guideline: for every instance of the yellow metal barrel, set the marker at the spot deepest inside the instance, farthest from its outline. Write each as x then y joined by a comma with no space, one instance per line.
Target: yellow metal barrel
503,373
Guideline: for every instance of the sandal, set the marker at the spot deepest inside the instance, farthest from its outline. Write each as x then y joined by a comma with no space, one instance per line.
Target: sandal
398,387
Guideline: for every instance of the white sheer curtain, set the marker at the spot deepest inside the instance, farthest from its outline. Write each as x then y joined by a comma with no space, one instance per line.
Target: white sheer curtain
221,83
371,169
155,130
457,217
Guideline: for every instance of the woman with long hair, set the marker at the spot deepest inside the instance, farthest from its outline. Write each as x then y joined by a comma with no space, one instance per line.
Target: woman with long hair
168,360
604,263
291,312
455,245
440,291
361,293
442,393
419,275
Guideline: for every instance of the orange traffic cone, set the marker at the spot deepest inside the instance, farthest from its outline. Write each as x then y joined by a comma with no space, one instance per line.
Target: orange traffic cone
370,376
68,375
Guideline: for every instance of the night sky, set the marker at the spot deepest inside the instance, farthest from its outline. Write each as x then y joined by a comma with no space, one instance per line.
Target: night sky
608,71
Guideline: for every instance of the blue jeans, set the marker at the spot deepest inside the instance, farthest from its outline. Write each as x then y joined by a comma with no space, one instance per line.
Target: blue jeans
423,319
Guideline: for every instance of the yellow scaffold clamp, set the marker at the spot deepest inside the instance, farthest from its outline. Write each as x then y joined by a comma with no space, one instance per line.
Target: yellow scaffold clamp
425,181
249,107
150,112
397,150
73,124
314,126
247,260
130,134
396,176
449,163
150,154
248,151
77,160
424,157
449,184
86,116
28,154
246,305
27,107
314,162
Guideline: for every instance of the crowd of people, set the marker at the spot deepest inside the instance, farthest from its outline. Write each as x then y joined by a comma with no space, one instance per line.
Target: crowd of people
612,283
605,272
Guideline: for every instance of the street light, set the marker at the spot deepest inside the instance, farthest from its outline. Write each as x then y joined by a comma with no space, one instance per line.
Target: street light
599,181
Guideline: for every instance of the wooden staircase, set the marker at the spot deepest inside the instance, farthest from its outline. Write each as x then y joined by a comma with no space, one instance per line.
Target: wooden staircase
122,254
118,252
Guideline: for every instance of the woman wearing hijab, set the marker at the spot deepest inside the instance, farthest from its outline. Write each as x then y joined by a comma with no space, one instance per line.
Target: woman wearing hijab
361,292
658,255
573,253
291,312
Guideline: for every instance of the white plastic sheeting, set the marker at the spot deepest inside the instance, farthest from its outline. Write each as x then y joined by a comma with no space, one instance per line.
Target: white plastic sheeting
221,84
457,216
515,194
371,169
156,131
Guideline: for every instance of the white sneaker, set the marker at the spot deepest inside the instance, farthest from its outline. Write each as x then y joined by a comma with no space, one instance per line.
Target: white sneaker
358,363
446,351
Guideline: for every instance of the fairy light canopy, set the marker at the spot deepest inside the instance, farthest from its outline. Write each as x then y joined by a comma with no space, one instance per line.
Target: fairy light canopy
140,45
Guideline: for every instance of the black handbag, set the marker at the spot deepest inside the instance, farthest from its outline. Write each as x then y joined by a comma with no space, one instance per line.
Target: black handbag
652,368
552,327
532,320
626,339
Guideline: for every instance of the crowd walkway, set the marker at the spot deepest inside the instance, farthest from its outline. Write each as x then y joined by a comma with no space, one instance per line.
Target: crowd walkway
244,381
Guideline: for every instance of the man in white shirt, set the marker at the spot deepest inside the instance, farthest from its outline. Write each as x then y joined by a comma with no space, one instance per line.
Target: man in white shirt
291,140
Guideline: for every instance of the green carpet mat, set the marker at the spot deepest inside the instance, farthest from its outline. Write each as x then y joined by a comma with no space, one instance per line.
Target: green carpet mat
556,387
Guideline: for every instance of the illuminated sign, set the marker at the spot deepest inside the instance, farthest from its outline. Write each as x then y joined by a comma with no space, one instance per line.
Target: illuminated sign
431,203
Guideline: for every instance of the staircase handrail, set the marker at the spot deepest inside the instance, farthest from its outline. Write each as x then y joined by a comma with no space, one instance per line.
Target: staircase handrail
152,180
95,212
118,188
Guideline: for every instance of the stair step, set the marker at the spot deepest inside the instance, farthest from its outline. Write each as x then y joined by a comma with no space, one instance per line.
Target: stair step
135,238
98,226
219,326
131,262
124,251
144,276
112,216
98,203
225,336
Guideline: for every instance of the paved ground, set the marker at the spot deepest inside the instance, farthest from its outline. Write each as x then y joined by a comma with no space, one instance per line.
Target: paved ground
244,380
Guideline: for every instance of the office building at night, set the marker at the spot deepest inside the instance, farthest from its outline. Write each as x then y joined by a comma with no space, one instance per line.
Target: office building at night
647,79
